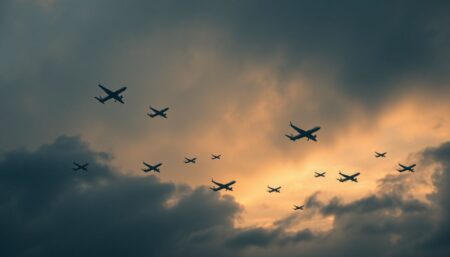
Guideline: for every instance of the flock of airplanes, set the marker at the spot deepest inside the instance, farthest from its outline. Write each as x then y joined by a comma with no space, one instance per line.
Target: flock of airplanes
308,134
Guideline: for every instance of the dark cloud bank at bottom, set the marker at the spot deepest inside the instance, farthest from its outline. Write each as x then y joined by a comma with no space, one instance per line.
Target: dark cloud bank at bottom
47,209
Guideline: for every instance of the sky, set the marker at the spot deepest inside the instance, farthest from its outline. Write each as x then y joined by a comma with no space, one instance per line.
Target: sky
374,75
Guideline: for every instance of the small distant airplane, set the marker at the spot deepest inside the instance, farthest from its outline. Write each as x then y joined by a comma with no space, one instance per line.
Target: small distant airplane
273,189
221,186
378,155
187,160
302,133
406,168
348,177
318,174
116,95
156,112
80,166
154,168
296,207
215,157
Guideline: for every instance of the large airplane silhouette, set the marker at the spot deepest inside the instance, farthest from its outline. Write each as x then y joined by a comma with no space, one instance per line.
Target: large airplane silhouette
116,95
309,134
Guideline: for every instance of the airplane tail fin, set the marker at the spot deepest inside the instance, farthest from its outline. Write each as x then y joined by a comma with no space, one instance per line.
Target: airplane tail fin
290,137
119,99
99,99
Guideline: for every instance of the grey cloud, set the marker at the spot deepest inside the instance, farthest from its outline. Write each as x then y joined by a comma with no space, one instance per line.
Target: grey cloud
48,209
53,56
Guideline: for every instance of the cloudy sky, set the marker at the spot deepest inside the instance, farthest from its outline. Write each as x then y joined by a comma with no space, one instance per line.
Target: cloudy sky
375,76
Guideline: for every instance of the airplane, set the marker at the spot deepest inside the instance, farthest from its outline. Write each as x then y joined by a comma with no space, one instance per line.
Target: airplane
111,95
272,189
348,177
80,166
407,168
221,186
215,157
377,154
302,133
154,168
187,160
318,174
296,207
156,112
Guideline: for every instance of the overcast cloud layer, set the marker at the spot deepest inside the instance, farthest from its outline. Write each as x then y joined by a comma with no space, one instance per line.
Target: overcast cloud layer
195,56
374,76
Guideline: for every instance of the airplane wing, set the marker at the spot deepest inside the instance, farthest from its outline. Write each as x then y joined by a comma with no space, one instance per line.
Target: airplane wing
157,165
107,91
299,130
120,90
230,183
292,137
313,130
403,166
153,109
217,183
165,109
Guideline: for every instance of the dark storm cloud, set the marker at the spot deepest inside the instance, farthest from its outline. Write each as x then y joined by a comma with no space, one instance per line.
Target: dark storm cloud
49,209
260,237
54,52
387,223
441,178
370,46
371,204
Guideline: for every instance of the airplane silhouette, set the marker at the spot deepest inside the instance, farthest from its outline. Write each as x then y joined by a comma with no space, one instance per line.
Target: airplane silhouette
273,189
156,112
406,168
215,157
348,177
302,133
298,207
220,186
187,160
80,166
378,155
318,174
154,168
111,95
